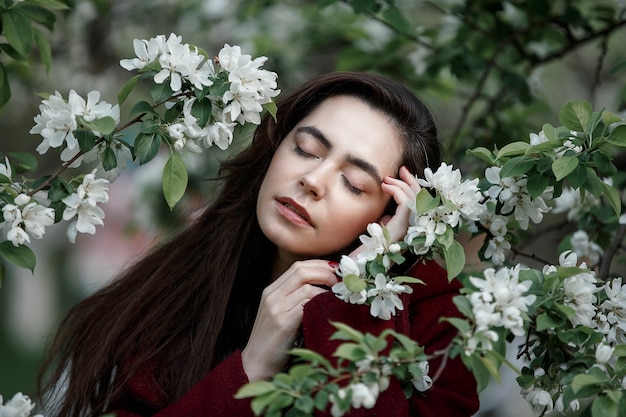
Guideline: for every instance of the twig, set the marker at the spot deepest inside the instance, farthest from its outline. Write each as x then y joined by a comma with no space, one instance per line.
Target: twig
614,245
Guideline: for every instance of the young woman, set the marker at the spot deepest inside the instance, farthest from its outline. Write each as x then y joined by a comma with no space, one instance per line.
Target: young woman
185,327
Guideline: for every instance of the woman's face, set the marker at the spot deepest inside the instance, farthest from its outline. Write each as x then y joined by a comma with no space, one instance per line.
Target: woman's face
323,185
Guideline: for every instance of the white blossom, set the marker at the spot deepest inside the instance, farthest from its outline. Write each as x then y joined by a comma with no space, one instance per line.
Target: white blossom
24,219
146,51
585,248
386,297
425,382
18,406
83,205
481,341
349,266
539,399
501,300
55,123
516,199
5,169
92,108
604,353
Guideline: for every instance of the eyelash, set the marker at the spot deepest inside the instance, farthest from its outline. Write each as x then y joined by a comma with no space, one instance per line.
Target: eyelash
354,190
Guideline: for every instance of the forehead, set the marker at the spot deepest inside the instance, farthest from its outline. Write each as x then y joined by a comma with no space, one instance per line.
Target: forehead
352,125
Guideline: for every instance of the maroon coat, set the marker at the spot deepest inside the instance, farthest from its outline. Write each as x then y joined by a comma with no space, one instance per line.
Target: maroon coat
452,395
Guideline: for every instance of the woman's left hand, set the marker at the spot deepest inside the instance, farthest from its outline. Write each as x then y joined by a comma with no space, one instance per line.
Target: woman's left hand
403,190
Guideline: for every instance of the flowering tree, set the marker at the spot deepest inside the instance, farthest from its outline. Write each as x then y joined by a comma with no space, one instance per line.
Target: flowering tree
568,313
570,316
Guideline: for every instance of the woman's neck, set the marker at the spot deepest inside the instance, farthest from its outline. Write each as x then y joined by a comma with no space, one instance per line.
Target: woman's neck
282,262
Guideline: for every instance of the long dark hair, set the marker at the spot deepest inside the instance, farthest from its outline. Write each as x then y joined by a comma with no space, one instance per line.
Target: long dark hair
192,301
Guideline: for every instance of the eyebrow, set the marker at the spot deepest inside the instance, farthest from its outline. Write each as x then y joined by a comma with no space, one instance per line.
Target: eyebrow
351,159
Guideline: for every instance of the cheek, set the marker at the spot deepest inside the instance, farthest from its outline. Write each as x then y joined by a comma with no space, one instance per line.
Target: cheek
352,221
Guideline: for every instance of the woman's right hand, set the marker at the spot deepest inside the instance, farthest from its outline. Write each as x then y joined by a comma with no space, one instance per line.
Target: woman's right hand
280,315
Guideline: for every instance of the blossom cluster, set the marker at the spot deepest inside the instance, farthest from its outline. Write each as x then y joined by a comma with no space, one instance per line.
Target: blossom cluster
359,286
59,120
595,306
205,99
83,205
501,300
508,199
249,87
18,406
457,199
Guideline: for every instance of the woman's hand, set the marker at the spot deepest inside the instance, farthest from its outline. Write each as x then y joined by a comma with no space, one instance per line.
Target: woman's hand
403,190
280,315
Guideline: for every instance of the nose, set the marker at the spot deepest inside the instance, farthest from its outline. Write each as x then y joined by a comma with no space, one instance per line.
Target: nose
313,182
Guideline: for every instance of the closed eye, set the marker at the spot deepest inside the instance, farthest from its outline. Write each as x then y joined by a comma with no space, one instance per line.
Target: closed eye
352,188
298,150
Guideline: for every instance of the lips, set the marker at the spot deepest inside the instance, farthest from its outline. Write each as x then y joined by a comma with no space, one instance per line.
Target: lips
294,212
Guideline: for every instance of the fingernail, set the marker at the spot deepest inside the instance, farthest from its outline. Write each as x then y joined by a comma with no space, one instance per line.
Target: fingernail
333,264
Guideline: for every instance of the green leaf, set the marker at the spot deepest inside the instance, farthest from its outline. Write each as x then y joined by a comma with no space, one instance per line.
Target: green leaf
37,13
536,185
254,389
395,18
407,279
271,108
593,183
51,4
612,196
109,160
424,202
310,356
582,380
86,139
22,255
483,153
45,53
549,131
354,283
464,305
146,147
491,365
201,110
349,351
262,401
461,325
604,407
576,115
618,136
59,189
544,322
481,374
142,107
578,176
174,180
562,167
18,31
513,149
345,332
567,310
126,90
23,161
161,92
105,125
5,89
454,257
517,166
609,118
